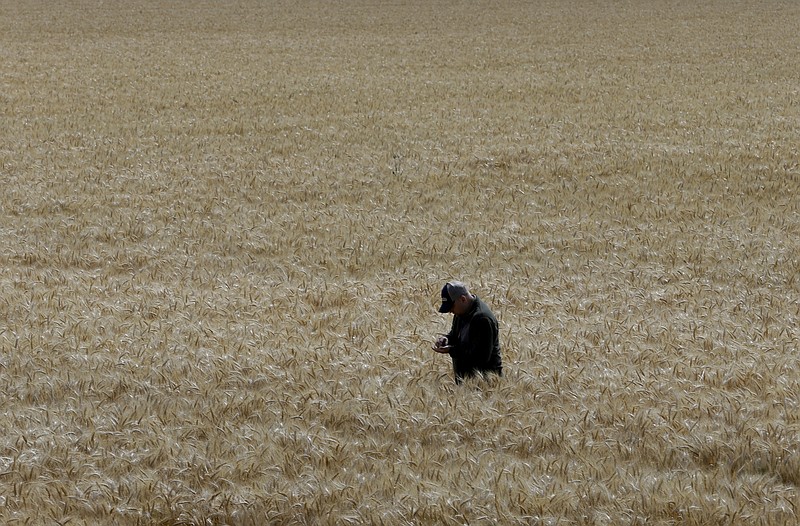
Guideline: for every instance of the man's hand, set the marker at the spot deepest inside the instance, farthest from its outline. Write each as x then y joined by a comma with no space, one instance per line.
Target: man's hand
442,345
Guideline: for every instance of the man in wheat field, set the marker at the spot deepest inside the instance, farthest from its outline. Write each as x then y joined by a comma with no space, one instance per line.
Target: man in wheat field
473,342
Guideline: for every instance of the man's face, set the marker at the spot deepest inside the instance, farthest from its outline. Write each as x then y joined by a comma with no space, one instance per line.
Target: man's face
460,306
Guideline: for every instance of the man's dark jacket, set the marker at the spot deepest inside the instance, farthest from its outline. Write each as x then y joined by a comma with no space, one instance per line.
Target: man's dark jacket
475,337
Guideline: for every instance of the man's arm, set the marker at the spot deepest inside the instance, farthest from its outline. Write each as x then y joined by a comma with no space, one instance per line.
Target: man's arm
481,336
446,343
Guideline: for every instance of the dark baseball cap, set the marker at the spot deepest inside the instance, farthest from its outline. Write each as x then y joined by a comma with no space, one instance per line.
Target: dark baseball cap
451,291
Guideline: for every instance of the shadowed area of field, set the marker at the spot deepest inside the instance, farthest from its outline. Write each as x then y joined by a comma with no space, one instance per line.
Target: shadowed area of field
224,228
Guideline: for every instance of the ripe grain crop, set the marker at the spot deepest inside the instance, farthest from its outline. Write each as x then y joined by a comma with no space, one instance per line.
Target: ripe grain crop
225,226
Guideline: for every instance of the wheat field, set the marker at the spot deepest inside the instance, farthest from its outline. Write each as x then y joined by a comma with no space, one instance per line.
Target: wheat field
224,227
